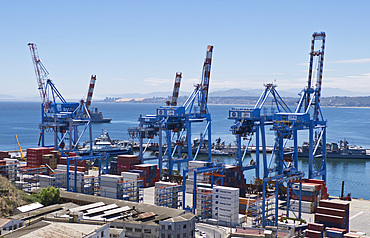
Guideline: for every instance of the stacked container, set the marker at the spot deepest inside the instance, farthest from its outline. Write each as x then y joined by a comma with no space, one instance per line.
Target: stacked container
204,202
50,160
4,154
333,214
201,178
225,204
234,177
167,194
34,155
315,230
149,173
125,162
109,185
129,189
113,166
310,195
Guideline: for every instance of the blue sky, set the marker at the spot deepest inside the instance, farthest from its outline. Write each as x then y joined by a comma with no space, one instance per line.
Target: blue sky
138,46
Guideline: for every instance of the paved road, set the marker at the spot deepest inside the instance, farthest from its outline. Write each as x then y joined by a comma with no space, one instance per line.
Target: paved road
212,230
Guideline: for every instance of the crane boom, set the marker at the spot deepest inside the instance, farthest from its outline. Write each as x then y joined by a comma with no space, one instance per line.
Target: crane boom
41,73
176,89
205,78
320,55
90,91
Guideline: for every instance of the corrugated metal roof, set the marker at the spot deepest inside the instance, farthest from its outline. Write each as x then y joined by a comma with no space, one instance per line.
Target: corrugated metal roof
30,207
118,210
87,207
100,209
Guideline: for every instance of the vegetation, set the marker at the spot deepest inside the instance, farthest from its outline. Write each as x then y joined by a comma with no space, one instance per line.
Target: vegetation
11,198
49,196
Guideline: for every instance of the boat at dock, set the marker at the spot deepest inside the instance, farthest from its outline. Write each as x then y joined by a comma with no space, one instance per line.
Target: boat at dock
104,144
339,151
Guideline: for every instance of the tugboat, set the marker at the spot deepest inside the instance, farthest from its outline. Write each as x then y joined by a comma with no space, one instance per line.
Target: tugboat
104,144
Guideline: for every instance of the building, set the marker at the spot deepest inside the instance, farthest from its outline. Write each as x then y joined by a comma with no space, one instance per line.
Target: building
124,218
7,225
45,229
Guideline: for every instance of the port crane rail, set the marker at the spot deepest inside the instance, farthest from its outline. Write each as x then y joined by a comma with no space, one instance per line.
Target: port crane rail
283,164
176,122
57,115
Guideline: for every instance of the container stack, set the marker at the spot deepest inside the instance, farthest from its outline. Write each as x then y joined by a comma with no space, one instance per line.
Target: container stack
46,181
315,230
167,194
90,184
333,214
129,189
149,173
34,155
50,160
225,205
79,181
234,177
109,185
81,164
335,232
201,178
204,202
4,154
113,166
126,162
310,195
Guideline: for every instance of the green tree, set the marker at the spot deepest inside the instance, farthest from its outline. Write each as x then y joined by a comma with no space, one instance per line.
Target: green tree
49,196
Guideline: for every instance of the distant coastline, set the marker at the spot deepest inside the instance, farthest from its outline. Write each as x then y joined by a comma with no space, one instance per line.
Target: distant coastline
336,101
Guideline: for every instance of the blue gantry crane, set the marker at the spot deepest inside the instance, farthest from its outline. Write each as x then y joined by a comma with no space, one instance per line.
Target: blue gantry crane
176,123
282,168
250,123
58,116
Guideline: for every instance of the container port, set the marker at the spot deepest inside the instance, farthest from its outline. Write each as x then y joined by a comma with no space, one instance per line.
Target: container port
176,194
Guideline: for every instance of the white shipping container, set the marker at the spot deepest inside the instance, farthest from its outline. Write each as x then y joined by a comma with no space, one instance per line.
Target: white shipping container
222,203
129,175
197,164
224,198
303,209
164,184
305,187
221,190
104,189
303,203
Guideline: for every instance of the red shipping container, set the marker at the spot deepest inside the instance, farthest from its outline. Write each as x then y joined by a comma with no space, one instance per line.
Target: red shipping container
328,218
331,211
313,234
4,154
334,204
316,227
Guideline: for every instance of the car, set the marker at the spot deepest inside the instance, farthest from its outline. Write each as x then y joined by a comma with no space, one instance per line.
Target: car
196,230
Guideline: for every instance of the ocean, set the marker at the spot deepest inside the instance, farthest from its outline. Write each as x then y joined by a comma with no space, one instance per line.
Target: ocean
352,124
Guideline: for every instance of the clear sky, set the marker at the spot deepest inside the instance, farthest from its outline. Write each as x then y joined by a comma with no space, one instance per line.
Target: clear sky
138,46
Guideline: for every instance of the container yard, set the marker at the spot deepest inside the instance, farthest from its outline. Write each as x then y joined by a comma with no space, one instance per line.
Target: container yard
280,200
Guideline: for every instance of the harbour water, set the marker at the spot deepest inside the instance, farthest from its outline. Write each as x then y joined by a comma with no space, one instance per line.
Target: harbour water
22,118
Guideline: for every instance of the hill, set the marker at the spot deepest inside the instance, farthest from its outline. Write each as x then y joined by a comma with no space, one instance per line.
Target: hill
11,198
